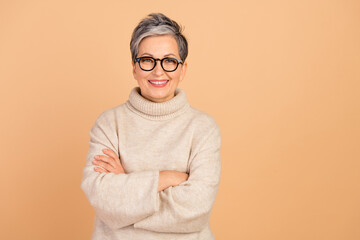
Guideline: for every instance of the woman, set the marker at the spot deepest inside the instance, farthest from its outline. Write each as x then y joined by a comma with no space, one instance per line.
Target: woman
153,167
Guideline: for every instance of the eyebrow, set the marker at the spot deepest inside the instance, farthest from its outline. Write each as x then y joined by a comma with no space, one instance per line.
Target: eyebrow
166,55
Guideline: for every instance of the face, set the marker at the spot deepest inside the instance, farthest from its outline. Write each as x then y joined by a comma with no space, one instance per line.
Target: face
158,47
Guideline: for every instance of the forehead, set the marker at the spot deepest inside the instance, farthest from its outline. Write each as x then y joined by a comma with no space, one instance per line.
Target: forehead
159,46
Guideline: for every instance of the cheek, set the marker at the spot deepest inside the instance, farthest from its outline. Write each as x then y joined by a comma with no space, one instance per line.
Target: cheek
176,76
140,75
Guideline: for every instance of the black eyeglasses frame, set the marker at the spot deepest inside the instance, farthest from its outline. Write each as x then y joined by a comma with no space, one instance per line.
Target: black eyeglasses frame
161,62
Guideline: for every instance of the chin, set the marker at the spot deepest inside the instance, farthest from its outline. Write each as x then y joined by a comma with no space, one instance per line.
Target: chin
159,97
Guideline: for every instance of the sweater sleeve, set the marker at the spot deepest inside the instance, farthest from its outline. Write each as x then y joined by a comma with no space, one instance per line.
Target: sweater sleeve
119,200
186,207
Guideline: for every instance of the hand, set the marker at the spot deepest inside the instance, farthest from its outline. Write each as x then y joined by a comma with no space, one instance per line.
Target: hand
171,178
108,164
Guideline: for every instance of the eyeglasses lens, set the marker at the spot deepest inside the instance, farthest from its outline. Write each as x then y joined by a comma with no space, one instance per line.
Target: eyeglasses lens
169,64
147,63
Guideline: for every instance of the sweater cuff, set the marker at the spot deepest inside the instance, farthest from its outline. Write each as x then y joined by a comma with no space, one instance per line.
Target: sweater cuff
154,199
155,195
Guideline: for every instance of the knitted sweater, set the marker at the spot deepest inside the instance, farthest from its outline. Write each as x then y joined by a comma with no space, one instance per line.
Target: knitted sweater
150,137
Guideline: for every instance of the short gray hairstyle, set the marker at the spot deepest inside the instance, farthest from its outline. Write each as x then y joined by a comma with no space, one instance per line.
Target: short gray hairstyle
156,24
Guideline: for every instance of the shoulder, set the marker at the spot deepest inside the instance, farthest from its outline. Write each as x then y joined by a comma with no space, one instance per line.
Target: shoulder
110,115
203,120
206,129
206,134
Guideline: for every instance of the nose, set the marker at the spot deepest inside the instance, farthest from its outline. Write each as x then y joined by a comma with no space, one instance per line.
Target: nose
158,70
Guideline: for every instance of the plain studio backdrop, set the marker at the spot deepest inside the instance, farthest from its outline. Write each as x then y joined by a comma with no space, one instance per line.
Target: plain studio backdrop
282,79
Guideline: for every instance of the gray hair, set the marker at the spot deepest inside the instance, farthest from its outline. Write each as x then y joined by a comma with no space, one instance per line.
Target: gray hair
156,24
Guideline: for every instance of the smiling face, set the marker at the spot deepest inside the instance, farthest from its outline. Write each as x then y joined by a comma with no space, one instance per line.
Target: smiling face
167,82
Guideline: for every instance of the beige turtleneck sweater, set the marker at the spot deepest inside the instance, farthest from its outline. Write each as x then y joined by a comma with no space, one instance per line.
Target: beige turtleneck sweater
148,138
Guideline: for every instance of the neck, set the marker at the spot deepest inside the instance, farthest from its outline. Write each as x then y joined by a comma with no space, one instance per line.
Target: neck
158,110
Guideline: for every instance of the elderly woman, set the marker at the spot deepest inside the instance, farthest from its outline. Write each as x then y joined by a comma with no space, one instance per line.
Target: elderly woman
153,166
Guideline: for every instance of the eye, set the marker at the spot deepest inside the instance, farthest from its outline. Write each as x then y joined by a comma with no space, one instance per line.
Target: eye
147,60
170,61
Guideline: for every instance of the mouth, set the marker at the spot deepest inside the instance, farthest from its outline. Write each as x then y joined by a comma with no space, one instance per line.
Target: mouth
158,83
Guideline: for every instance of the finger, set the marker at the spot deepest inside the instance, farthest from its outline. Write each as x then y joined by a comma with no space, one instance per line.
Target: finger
104,165
106,159
100,170
116,158
111,153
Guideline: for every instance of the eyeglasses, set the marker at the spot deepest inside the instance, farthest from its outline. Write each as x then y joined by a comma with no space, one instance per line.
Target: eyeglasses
169,64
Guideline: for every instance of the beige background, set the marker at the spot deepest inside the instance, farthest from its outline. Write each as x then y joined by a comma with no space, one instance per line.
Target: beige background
282,79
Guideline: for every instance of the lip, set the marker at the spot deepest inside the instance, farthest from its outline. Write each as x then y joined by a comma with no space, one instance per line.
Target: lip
158,85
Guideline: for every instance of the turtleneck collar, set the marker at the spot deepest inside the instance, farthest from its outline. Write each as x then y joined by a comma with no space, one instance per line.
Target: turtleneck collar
157,111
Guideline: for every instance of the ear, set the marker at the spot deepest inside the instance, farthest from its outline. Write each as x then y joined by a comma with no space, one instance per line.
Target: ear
183,71
133,67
